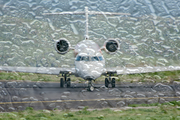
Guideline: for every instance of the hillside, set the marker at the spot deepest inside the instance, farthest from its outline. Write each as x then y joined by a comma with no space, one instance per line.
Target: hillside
149,38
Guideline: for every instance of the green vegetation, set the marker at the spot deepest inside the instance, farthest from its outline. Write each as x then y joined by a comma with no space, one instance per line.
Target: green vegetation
171,103
165,112
167,76
33,77
27,76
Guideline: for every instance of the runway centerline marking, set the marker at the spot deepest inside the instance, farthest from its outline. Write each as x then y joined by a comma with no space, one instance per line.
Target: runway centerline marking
86,100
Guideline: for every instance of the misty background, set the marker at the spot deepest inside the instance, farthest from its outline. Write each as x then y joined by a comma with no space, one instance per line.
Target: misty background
150,36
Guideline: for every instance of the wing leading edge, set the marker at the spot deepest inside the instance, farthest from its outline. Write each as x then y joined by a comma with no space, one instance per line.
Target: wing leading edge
118,70
39,70
136,70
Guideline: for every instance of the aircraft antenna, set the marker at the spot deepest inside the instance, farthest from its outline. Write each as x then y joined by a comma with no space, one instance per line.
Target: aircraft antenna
86,12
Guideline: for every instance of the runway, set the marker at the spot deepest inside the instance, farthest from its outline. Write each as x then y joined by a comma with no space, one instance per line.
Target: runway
17,95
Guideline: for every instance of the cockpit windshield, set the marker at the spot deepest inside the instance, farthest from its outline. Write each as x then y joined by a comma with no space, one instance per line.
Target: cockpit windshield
95,58
88,58
78,58
85,58
100,58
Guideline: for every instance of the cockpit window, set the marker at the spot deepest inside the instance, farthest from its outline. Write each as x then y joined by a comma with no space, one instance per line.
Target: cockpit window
78,58
95,58
85,58
100,58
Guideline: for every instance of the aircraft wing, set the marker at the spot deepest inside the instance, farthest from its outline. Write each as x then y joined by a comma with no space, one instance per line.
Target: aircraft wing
135,70
40,70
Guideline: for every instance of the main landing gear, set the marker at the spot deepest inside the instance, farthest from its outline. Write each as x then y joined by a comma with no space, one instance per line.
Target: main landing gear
110,80
65,81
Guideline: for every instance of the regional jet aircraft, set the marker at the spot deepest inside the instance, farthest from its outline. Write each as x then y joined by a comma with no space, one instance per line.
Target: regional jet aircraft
89,61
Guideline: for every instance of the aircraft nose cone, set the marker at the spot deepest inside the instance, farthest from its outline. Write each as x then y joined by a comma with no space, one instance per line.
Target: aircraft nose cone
90,71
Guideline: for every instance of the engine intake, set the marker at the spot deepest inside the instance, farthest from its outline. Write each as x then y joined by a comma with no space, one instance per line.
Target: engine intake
62,46
111,46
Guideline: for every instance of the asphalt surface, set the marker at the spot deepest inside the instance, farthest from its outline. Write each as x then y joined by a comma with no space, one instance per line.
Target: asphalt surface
17,95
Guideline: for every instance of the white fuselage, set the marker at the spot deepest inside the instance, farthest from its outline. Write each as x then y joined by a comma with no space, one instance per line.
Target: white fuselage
89,62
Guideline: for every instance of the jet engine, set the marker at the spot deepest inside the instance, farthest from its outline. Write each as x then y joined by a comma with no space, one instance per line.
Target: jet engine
111,46
62,46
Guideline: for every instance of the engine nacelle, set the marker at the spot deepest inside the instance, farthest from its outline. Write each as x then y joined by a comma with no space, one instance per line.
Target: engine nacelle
62,46
111,46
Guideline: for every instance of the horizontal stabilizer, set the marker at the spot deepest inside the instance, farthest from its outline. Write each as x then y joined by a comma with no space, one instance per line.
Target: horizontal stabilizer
65,13
89,12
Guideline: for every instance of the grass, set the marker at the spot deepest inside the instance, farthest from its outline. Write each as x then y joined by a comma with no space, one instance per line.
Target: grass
27,76
171,103
31,77
167,76
165,112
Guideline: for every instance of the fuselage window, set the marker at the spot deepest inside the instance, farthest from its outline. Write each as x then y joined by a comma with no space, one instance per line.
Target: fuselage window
100,58
94,58
78,58
85,58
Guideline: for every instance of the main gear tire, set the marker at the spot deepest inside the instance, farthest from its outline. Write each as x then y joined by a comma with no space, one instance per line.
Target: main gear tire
68,83
106,82
113,82
61,82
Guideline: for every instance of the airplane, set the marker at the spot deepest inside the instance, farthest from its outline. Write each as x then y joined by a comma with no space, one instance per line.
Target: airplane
89,60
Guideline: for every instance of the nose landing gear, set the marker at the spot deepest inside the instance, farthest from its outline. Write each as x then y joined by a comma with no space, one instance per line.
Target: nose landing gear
90,86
